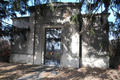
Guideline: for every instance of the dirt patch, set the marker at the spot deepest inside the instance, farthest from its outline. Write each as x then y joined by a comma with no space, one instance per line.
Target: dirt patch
11,71
86,74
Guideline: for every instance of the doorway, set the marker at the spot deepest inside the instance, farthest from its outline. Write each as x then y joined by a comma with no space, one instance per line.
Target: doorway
52,48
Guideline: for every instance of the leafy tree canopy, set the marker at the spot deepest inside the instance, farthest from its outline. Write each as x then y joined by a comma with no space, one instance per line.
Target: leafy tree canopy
10,7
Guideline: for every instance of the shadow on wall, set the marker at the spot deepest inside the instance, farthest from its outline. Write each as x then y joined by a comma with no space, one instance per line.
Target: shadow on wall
94,48
22,45
62,17
19,39
70,46
95,45
91,47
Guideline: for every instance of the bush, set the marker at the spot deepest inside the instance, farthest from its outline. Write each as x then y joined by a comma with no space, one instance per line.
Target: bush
4,51
4,44
114,53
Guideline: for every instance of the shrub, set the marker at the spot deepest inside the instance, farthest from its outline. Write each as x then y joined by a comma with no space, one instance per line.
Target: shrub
4,44
114,53
4,51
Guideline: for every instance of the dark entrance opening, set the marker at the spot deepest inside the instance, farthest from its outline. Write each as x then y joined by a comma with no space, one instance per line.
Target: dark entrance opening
52,46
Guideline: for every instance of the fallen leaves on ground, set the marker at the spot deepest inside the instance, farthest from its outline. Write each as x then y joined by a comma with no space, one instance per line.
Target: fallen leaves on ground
87,74
11,71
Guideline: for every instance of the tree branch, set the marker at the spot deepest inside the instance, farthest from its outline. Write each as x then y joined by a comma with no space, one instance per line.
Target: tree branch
90,19
12,15
113,10
56,7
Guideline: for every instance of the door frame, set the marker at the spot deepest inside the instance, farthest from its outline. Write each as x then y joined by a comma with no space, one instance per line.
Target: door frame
43,40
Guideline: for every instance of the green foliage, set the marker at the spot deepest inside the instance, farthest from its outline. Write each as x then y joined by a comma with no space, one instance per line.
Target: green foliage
8,9
51,6
100,44
74,19
41,9
4,30
92,31
22,7
3,4
88,16
19,5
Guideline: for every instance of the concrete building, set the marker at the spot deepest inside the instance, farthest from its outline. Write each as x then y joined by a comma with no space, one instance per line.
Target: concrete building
74,50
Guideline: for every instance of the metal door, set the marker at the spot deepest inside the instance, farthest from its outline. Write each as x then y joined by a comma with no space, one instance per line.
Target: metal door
52,46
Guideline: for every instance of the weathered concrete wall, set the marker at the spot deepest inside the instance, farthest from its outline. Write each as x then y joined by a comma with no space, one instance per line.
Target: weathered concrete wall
92,54
21,22
94,48
69,39
22,50
70,45
69,42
